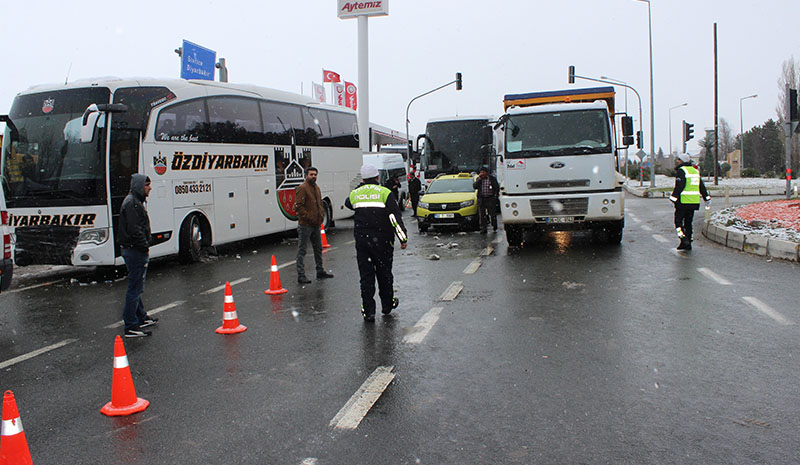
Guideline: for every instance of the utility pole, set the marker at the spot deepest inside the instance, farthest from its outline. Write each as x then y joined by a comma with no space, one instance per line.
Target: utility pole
716,111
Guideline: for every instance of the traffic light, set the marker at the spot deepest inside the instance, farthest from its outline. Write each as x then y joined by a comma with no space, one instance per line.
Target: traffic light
688,131
458,81
571,74
639,140
793,116
627,131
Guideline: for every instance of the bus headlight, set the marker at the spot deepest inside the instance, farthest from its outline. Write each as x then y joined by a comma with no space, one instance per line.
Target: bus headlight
97,236
467,203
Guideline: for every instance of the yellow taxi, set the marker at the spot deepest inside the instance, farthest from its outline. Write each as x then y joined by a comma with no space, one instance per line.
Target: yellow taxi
450,200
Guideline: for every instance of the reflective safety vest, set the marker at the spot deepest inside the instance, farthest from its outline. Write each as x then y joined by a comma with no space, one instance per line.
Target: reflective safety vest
369,195
690,195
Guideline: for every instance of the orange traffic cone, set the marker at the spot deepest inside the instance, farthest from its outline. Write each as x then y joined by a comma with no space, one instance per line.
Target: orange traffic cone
230,319
123,394
275,280
325,244
13,446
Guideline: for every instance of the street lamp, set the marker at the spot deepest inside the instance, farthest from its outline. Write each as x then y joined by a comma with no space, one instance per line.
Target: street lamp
670,124
624,84
456,81
652,112
741,132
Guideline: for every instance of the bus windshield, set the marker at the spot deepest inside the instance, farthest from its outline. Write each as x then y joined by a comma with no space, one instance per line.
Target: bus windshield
460,146
576,132
44,162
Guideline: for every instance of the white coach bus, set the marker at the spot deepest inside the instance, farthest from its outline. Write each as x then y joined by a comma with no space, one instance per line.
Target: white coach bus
223,159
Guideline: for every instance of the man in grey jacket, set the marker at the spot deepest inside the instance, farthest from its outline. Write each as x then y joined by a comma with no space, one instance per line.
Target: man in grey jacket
134,240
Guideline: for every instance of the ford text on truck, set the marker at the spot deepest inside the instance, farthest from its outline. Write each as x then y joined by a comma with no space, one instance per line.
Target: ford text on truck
557,157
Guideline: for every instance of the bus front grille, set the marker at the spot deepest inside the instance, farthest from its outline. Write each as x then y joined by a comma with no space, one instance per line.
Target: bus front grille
560,207
45,246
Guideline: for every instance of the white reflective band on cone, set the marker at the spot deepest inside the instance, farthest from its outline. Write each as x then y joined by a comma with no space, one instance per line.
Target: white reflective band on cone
121,362
274,268
11,427
229,316
228,299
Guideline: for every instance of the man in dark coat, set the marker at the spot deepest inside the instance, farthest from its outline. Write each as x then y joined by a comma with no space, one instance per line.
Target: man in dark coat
134,241
689,188
488,189
310,215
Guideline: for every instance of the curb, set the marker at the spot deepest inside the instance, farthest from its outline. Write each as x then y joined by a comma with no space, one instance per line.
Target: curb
714,191
752,243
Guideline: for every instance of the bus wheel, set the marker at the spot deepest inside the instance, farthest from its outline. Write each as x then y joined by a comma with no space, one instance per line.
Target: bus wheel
327,219
190,240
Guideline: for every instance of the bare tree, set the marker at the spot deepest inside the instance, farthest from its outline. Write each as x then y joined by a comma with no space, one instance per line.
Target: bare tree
727,141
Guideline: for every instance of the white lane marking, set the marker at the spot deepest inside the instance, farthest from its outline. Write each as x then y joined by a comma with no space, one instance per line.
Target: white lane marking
233,283
310,461
423,326
498,240
719,279
635,219
151,312
350,242
767,310
359,404
647,228
30,355
487,251
660,238
679,253
452,291
33,287
473,267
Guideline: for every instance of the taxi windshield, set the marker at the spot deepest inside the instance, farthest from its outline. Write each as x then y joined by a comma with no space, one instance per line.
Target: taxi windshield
443,186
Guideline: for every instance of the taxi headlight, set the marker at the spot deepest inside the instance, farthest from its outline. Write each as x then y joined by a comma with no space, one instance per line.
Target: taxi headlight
467,203
424,205
97,236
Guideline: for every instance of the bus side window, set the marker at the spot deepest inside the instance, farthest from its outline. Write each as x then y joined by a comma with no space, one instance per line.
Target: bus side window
234,120
312,129
342,127
183,122
280,120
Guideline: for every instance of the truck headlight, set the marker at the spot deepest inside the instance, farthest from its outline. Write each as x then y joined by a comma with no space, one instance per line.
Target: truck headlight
97,236
424,205
467,203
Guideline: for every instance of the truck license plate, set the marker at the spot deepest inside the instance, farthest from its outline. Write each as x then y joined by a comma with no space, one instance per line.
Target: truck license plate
560,219
445,215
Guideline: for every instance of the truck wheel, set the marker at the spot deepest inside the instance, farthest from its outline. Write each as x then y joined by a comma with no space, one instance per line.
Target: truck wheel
190,240
514,235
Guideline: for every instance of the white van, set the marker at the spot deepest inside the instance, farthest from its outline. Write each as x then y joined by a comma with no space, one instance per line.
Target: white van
390,165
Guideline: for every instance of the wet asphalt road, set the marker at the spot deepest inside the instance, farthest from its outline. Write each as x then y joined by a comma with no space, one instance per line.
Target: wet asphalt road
565,351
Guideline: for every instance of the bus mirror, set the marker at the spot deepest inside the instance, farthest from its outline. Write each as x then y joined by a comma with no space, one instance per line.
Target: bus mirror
11,127
92,114
627,127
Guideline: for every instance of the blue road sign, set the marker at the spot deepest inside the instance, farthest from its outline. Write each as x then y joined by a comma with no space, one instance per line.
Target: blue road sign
197,62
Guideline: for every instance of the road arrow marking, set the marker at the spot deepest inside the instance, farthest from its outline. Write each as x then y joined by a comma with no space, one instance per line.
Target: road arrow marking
350,416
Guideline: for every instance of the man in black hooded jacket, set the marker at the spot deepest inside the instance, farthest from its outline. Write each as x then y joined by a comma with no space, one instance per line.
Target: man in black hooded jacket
134,240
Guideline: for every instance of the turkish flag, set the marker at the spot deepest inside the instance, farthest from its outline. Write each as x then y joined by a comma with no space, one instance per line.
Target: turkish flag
330,76
350,95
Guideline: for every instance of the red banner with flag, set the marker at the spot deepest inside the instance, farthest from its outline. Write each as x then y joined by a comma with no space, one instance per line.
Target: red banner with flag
350,95
330,76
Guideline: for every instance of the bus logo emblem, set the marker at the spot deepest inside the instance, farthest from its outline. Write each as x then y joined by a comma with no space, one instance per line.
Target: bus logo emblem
160,165
290,171
48,105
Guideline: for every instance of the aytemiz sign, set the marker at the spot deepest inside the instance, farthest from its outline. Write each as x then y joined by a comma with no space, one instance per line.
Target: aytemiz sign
197,62
351,9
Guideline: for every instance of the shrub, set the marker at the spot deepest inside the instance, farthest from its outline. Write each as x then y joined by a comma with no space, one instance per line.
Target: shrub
751,173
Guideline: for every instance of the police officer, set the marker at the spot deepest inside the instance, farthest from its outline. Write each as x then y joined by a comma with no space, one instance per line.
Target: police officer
689,188
377,221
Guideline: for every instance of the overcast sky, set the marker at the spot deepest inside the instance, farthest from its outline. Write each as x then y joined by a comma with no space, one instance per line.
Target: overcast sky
502,46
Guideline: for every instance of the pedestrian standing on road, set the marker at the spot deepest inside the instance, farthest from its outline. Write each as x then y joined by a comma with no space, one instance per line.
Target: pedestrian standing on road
414,188
376,222
689,188
393,184
488,189
134,242
310,215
